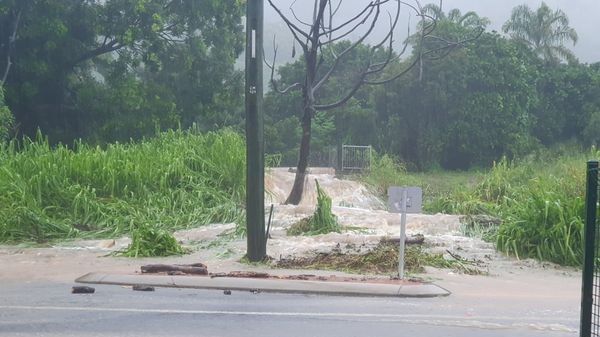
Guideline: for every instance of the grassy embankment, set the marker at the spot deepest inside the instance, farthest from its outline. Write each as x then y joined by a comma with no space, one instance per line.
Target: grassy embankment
182,179
179,179
540,200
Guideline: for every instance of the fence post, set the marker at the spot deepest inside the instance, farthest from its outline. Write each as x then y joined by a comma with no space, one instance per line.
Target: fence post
587,284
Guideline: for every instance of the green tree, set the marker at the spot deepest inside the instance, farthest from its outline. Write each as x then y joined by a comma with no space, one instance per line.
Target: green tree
569,96
544,31
468,20
590,134
354,122
62,44
6,118
466,111
315,36
412,115
123,108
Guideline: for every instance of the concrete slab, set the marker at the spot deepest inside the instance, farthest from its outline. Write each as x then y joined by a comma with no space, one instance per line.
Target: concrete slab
270,285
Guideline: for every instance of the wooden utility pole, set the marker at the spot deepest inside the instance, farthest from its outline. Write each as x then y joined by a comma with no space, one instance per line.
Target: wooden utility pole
255,166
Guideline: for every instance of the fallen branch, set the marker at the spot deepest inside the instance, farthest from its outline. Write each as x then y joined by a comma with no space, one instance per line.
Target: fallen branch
193,269
469,267
413,240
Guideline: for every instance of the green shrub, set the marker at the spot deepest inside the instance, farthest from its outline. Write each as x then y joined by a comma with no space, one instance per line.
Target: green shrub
590,133
148,241
321,222
6,118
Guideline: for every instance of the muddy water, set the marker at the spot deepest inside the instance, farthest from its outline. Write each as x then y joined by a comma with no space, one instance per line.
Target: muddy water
363,216
528,294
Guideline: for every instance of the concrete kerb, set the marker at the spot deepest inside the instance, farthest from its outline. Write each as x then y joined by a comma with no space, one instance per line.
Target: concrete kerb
269,285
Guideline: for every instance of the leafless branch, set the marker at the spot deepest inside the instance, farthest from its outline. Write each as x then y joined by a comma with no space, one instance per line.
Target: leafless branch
446,49
10,47
359,82
295,16
322,35
349,31
271,66
296,31
337,61
390,51
363,18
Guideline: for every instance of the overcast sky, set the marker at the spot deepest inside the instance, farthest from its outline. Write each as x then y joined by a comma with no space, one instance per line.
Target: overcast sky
584,16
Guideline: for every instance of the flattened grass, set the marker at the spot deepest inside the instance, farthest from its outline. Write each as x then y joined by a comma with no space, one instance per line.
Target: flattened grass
382,259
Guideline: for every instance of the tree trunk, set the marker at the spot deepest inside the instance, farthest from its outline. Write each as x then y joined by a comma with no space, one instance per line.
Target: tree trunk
298,189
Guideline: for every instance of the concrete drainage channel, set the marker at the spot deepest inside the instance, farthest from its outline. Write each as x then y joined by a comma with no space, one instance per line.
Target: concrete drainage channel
408,289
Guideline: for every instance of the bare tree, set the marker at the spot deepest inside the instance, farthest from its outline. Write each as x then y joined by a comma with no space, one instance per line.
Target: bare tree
316,35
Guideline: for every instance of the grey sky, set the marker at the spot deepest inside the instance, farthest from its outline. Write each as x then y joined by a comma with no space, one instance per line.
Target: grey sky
584,16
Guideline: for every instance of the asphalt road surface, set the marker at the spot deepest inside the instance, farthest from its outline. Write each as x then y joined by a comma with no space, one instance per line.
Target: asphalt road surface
49,309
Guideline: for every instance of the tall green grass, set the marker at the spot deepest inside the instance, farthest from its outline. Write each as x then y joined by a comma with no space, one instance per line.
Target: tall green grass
440,188
543,217
179,179
540,200
385,172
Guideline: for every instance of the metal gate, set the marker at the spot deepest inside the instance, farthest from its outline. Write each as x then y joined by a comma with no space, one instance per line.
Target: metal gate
590,289
356,158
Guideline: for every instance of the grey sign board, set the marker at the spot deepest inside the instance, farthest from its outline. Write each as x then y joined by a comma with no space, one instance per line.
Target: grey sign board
414,199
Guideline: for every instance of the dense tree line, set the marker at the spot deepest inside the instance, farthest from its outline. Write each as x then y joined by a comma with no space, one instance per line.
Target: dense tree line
497,96
119,69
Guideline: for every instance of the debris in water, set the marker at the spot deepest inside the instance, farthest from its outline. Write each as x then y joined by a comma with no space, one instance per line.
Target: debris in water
242,274
382,259
176,269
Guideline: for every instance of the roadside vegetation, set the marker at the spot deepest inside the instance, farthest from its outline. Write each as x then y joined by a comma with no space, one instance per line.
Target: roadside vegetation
179,179
539,200
104,76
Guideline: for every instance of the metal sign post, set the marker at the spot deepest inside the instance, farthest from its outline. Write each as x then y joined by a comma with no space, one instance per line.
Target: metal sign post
402,235
404,200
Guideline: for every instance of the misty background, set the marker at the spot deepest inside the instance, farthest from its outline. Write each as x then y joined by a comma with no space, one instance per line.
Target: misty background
582,14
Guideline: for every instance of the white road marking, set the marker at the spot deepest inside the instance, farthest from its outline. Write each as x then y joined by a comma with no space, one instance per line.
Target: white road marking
484,322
